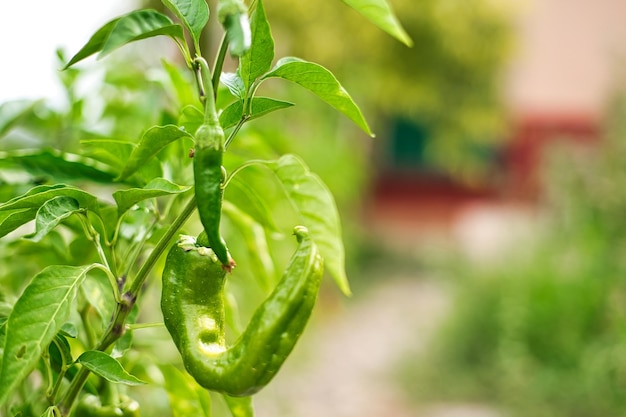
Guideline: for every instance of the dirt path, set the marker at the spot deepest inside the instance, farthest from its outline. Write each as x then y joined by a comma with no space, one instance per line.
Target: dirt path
341,369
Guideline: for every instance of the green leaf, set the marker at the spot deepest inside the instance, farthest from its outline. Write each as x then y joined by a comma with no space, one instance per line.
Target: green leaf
107,367
98,293
108,151
12,112
191,118
37,199
193,13
243,195
116,153
136,25
52,411
60,352
158,187
322,83
260,106
182,84
9,221
240,406
185,396
57,165
234,83
37,317
35,190
51,213
69,330
155,139
256,242
315,205
258,60
380,13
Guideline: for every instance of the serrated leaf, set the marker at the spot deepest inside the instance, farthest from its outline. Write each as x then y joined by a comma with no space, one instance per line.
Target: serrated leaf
9,221
259,106
240,406
234,83
154,140
315,206
134,26
57,165
107,367
258,60
193,13
322,83
186,398
158,187
37,317
380,13
51,213
256,242
36,200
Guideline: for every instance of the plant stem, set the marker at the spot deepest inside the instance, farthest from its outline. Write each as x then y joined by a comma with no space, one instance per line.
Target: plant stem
94,236
210,111
234,132
219,64
124,307
161,246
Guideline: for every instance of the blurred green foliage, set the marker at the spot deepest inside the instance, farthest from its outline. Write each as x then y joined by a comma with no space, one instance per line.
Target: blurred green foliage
541,333
448,83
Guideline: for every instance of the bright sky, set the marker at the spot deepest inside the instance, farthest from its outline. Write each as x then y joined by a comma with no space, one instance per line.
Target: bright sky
32,30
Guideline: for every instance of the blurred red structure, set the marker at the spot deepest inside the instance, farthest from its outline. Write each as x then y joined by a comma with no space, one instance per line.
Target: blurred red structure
530,136
425,203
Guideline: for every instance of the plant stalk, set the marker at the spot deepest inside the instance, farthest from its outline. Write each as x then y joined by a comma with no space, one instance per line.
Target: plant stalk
124,307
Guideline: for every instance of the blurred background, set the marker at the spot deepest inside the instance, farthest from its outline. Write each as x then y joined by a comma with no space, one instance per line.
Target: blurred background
483,224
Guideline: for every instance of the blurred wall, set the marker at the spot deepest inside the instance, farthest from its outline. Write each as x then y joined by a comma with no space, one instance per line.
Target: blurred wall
569,56
563,76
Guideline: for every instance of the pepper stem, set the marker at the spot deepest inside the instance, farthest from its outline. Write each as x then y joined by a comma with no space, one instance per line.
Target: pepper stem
207,92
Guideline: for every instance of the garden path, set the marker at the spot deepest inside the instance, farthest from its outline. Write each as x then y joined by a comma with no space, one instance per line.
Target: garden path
344,365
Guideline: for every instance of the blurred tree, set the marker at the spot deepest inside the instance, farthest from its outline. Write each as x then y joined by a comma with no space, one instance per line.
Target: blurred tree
447,85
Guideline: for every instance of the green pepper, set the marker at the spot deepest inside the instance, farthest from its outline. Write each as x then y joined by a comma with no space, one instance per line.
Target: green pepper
91,406
207,170
233,15
192,303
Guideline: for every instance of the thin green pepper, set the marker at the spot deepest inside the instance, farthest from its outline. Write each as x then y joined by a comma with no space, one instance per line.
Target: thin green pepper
193,310
233,15
208,171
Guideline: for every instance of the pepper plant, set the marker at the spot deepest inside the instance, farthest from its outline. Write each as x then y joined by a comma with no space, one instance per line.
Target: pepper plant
65,342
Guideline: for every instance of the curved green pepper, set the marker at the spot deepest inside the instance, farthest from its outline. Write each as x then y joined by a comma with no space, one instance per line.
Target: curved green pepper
207,171
193,310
